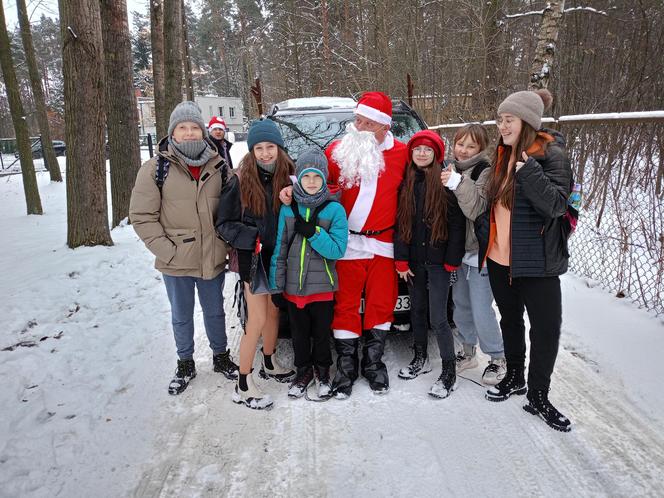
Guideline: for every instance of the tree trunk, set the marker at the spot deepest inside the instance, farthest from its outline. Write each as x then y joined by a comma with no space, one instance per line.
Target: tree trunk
121,109
157,42
32,200
540,70
188,79
83,72
172,55
37,93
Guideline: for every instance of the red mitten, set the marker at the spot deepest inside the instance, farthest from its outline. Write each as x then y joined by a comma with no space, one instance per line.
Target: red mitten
450,268
401,266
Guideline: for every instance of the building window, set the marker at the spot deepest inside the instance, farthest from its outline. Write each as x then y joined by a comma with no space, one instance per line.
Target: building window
221,111
231,112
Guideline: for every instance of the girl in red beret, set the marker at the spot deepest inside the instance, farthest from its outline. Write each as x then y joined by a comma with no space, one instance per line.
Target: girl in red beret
428,245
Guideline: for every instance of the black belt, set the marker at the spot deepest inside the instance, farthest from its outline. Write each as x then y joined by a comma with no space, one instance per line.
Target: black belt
370,233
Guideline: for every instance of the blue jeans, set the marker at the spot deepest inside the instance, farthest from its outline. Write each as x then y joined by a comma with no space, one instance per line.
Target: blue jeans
428,291
473,313
180,292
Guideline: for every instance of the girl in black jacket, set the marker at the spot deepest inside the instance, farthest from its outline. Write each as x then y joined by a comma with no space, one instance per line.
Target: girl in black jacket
428,245
247,221
522,242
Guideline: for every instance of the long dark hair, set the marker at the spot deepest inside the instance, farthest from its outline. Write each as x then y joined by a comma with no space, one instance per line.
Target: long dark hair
435,203
501,185
252,193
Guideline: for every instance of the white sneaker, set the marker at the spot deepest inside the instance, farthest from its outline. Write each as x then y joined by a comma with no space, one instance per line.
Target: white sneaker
495,372
465,362
252,397
277,372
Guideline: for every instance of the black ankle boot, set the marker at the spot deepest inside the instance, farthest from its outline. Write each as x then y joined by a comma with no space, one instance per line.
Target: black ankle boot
347,365
512,383
373,368
539,404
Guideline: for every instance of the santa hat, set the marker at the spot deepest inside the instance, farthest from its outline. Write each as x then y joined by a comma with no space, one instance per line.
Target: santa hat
216,122
429,139
376,106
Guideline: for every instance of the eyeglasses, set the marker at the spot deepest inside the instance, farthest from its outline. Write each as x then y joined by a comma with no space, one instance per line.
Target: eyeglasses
423,149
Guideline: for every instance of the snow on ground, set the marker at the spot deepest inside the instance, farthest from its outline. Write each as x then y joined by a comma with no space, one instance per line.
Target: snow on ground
86,353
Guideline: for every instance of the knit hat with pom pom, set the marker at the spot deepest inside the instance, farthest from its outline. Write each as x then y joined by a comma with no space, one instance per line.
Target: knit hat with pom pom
527,105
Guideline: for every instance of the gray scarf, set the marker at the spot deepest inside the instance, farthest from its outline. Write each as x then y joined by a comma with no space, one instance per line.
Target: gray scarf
192,152
267,167
471,163
310,200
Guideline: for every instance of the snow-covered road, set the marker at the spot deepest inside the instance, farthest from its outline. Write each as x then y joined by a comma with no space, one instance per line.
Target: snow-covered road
86,353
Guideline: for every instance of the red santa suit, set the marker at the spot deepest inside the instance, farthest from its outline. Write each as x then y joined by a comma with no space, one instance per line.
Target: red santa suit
368,263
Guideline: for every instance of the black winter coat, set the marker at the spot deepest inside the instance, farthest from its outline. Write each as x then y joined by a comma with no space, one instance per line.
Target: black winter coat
221,145
240,227
420,250
538,241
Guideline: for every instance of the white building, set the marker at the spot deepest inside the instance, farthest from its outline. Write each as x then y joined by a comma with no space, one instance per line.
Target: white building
229,108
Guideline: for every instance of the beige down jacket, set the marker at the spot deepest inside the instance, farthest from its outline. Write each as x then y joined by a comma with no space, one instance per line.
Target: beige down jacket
177,225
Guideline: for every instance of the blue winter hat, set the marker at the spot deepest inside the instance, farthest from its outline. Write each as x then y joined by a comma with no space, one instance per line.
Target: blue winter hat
311,159
264,130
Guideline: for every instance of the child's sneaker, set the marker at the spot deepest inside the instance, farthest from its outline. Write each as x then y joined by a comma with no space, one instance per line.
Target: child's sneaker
185,371
418,366
224,364
466,360
271,369
495,372
323,380
446,383
252,396
539,404
302,380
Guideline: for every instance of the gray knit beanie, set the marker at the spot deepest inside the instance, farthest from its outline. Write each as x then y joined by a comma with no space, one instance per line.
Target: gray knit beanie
311,159
527,105
186,111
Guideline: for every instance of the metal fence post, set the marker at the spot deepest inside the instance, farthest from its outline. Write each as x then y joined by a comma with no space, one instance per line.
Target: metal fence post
150,144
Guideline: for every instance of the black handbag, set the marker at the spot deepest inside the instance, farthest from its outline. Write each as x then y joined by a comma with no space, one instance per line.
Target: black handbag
258,281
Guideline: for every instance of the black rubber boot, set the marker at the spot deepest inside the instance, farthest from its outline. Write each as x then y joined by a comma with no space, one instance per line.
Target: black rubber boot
347,365
373,368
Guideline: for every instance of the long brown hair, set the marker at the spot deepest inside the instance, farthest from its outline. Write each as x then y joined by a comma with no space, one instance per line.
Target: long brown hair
252,193
501,185
435,203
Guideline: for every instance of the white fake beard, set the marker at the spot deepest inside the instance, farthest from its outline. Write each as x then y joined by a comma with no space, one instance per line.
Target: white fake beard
358,157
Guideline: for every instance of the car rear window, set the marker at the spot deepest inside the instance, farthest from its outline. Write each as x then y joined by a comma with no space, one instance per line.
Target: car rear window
301,131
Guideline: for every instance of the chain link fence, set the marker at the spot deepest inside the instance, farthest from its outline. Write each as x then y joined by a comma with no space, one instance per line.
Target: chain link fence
619,240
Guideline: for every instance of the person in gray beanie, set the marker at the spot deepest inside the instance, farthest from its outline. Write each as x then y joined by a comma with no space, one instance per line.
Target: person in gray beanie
173,209
521,240
312,234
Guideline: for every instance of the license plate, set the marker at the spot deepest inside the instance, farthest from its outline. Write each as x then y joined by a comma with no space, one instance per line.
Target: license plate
403,304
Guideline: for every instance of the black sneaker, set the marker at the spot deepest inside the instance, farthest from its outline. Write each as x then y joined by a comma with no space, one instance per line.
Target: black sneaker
302,380
419,365
223,364
512,383
539,404
447,381
185,371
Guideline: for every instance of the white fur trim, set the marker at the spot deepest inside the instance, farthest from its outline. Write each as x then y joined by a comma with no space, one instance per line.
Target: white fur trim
388,142
373,114
215,126
362,207
345,334
454,181
383,326
361,247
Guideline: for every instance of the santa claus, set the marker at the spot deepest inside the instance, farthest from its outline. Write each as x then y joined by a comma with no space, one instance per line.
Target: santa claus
368,165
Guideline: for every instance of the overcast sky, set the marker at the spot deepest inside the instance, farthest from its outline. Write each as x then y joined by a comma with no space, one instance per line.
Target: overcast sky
50,8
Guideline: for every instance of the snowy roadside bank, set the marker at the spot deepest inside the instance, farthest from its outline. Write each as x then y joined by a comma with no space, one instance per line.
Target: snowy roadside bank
85,410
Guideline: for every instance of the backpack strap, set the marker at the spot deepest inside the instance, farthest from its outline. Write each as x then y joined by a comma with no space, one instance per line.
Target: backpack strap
161,173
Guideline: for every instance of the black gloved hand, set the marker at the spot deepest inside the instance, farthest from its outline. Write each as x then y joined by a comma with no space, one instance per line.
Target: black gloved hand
305,228
244,264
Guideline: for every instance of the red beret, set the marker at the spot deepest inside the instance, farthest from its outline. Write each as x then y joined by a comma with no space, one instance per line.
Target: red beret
430,139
